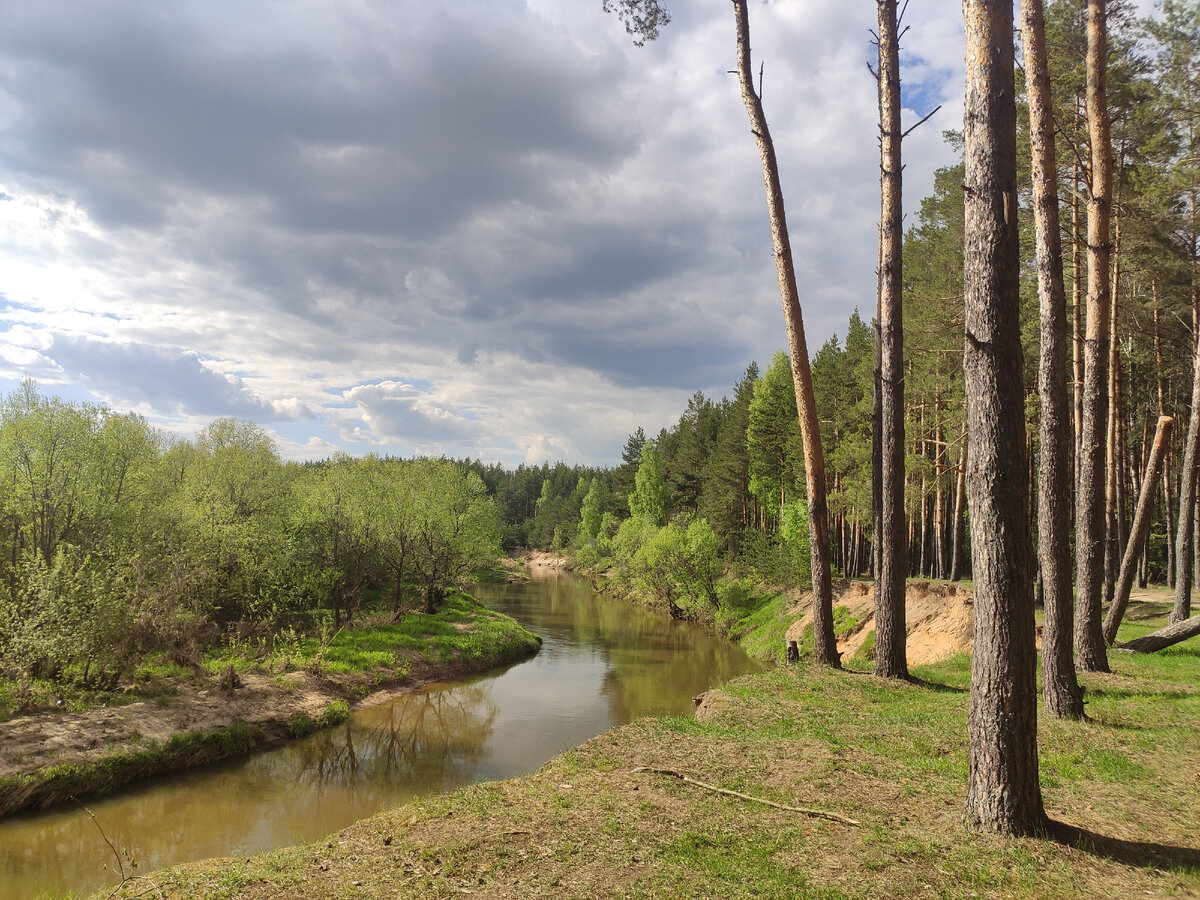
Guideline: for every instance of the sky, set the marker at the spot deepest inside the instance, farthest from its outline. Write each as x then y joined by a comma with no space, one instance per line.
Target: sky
483,228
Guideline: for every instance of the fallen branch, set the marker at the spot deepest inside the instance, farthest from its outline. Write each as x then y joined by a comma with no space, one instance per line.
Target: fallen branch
808,811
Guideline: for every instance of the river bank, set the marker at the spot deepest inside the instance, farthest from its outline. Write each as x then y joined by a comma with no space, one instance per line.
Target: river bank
801,783
733,802
204,717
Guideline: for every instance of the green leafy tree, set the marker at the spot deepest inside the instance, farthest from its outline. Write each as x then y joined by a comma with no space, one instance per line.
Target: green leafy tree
773,438
591,513
455,527
651,495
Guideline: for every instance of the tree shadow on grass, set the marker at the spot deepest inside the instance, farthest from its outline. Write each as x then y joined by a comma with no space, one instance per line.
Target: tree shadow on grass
1138,854
937,686
914,680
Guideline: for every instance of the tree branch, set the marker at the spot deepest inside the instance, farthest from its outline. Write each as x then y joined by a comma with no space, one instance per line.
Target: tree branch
808,811
922,122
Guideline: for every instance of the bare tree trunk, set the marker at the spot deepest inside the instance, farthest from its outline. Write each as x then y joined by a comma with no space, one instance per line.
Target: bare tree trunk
1003,794
1060,685
1141,527
923,553
939,509
825,649
1076,323
1114,488
1168,500
890,624
1089,518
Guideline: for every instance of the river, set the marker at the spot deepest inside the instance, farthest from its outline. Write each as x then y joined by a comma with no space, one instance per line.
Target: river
602,663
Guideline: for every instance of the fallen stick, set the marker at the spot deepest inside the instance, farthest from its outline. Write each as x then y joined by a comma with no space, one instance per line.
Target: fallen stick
808,811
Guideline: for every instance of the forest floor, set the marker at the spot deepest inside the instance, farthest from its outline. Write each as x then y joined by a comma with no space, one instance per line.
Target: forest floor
52,754
798,782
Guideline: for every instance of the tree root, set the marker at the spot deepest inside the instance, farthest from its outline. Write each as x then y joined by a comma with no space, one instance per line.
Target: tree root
805,810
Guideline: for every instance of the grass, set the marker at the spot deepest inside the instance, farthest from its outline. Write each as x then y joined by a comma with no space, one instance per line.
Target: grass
762,625
301,723
19,698
1123,789
462,630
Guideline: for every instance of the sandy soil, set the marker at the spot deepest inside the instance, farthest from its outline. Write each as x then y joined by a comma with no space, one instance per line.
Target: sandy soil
49,738
939,617
541,564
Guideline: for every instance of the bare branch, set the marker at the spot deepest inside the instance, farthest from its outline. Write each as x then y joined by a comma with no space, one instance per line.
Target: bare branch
919,124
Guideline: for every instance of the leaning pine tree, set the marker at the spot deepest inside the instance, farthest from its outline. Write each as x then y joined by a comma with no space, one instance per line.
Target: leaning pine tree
825,641
642,19
1003,794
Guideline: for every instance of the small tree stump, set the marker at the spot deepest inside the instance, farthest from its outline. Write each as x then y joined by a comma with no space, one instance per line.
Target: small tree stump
229,679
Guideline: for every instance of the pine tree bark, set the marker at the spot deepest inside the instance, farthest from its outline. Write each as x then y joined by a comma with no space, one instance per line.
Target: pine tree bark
1090,652
1064,698
1076,324
825,649
939,509
1003,794
1141,527
890,621
1114,493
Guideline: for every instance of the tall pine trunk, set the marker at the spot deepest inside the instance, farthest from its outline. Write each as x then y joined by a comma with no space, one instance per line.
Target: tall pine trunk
1114,487
825,649
1002,787
957,524
1185,534
890,658
1060,685
1090,652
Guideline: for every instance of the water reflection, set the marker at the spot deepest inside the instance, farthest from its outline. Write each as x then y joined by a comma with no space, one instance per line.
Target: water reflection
422,741
601,663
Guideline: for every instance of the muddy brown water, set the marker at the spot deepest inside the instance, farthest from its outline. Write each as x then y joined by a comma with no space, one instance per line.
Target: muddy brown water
602,663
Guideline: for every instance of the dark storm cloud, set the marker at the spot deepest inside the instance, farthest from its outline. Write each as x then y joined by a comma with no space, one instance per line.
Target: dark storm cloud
401,124
402,121
165,380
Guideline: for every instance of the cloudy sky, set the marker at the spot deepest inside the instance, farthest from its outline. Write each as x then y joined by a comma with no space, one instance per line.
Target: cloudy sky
491,228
